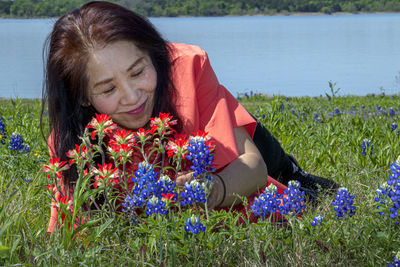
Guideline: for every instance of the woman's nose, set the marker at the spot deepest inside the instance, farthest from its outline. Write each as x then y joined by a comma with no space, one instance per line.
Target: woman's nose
130,95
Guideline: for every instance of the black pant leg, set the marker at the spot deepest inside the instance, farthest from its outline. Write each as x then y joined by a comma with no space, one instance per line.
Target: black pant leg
278,163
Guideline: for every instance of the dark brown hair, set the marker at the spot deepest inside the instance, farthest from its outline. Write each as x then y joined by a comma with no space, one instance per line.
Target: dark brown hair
68,48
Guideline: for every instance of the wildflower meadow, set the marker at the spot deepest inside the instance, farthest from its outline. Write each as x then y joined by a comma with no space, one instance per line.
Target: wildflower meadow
350,139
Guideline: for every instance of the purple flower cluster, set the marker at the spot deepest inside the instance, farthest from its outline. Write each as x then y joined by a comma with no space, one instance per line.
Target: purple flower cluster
194,192
267,203
199,154
317,220
294,203
396,261
155,205
343,203
389,193
16,143
194,225
147,191
3,131
367,147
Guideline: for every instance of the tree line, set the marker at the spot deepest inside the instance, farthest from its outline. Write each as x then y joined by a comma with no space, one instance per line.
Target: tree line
172,8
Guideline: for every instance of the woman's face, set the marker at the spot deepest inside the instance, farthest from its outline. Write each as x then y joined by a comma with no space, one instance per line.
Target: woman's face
122,83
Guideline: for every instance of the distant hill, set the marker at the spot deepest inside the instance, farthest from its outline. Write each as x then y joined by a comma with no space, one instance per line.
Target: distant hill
173,8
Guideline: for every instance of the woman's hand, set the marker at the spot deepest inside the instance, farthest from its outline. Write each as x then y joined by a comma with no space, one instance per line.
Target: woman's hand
183,177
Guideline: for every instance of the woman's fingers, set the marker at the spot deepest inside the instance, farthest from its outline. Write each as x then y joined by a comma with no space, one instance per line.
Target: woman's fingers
183,177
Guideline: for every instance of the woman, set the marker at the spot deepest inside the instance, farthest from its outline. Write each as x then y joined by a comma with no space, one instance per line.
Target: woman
103,58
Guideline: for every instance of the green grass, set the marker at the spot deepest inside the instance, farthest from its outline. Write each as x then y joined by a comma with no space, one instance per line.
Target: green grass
330,148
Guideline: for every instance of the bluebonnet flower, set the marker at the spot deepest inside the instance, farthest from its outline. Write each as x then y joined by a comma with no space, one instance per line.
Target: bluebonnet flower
317,117
396,261
165,185
199,154
194,192
292,111
393,126
194,225
294,203
16,143
363,107
267,203
367,147
383,94
246,95
28,180
378,107
155,205
317,220
282,108
3,131
336,112
264,116
146,186
391,112
389,193
343,203
372,94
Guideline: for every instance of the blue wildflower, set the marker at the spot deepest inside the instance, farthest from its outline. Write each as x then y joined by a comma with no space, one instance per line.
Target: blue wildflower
317,220
367,147
155,205
378,107
391,112
343,203
267,203
336,112
287,99
396,261
389,194
3,131
194,225
146,185
28,180
282,108
294,203
165,185
194,192
263,116
16,143
199,154
363,107
393,126
246,95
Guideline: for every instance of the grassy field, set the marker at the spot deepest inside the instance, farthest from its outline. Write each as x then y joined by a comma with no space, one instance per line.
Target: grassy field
325,135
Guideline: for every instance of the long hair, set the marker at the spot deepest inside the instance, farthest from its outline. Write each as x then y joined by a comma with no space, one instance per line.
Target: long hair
68,48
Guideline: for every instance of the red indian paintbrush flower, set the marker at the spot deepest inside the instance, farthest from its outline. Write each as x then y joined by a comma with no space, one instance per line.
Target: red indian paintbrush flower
162,124
177,145
55,167
102,124
105,172
78,153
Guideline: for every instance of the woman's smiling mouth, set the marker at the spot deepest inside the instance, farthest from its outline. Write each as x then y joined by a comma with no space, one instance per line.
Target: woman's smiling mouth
137,110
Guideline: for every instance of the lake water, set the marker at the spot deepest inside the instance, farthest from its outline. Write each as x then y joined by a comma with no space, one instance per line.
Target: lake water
288,55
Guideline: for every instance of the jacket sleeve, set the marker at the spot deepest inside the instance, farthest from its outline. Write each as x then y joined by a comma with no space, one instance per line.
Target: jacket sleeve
207,105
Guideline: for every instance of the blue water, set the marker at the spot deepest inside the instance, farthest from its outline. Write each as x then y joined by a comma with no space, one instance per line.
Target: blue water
288,55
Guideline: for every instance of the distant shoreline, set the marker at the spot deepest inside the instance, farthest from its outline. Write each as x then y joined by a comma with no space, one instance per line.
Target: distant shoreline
295,14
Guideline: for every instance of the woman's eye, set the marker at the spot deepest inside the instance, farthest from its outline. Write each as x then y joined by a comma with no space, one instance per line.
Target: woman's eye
135,74
109,90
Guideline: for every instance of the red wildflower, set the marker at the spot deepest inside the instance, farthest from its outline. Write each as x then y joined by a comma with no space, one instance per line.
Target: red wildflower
168,196
102,124
77,154
177,145
55,167
162,124
106,172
